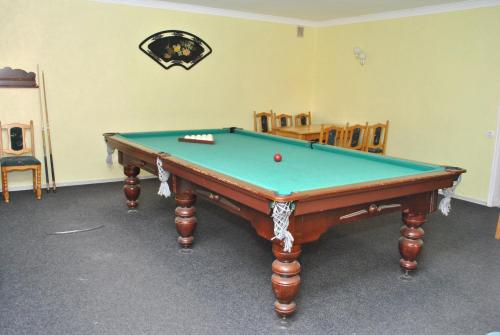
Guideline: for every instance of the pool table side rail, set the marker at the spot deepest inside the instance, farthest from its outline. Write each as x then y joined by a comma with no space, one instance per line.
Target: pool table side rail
403,162
308,201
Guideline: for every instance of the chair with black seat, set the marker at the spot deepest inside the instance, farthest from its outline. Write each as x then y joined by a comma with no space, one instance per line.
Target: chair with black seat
263,121
282,120
303,119
376,138
355,136
332,135
21,157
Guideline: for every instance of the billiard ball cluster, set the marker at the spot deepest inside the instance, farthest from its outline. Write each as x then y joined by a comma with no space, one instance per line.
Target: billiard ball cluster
200,137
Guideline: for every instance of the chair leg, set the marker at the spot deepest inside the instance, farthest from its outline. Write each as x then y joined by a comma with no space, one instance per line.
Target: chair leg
497,235
38,187
5,188
34,180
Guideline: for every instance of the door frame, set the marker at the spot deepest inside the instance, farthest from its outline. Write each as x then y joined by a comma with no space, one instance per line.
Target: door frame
494,188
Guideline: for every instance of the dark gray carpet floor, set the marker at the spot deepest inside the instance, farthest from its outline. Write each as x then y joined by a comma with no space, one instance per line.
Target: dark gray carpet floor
129,277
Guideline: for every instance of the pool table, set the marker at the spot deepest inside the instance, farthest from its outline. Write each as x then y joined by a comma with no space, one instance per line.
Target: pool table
289,203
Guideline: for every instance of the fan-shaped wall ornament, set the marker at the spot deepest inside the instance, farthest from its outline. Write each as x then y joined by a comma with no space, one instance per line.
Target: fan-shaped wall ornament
175,47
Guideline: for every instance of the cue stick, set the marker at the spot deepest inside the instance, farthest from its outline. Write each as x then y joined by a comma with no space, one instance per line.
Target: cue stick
48,135
43,129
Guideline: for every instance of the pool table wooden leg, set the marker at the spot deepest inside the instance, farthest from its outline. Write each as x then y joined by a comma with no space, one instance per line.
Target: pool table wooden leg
132,187
410,242
185,219
285,279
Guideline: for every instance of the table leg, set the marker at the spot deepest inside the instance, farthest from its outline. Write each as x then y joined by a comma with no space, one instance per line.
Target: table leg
285,279
410,242
132,187
185,219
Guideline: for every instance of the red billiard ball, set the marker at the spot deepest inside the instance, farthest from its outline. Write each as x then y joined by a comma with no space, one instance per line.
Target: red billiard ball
277,157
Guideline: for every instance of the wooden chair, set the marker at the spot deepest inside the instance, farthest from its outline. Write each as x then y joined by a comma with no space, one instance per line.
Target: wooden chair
332,135
282,120
263,122
354,136
303,119
17,147
376,138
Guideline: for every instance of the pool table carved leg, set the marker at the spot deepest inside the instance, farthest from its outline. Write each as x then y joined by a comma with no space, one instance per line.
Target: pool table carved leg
185,218
132,187
285,279
410,242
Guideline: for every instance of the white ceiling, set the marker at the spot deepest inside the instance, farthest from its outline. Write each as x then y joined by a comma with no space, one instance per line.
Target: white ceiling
317,10
313,13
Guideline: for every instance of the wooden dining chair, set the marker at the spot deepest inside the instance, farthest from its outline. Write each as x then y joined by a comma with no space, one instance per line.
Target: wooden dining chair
376,138
354,136
332,135
282,120
263,121
303,119
14,156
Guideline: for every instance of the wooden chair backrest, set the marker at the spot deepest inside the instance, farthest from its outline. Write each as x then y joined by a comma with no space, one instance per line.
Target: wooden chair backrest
16,139
376,137
303,119
332,135
282,120
355,136
263,121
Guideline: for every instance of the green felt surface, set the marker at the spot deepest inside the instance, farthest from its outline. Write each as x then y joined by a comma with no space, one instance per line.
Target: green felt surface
248,156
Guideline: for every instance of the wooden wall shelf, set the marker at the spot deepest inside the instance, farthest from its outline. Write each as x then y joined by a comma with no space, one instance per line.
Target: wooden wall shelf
17,78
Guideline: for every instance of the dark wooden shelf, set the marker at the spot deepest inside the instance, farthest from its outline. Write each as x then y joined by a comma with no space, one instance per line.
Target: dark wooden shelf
17,78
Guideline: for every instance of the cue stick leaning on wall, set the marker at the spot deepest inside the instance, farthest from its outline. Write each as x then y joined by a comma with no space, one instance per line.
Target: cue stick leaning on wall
48,135
43,128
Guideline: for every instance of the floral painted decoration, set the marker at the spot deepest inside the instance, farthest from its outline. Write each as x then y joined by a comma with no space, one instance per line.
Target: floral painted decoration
174,47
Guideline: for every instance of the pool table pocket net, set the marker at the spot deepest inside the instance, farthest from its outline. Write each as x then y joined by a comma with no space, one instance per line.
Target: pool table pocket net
163,176
281,213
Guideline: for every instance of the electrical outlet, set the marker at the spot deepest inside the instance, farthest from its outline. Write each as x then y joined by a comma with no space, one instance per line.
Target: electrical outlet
490,133
300,31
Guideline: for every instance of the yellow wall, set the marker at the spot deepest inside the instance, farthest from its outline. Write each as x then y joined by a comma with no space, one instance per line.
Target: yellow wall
99,81
436,78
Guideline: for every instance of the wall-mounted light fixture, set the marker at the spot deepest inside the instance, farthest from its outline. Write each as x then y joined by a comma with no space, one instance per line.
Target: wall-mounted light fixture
360,55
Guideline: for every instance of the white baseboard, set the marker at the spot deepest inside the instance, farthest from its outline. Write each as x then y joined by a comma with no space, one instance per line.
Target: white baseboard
76,183
468,199
114,180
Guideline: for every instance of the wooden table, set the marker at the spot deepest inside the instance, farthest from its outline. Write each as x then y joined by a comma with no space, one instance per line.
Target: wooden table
308,133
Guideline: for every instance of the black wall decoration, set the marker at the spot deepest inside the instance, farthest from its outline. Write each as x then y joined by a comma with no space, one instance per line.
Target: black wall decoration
175,47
